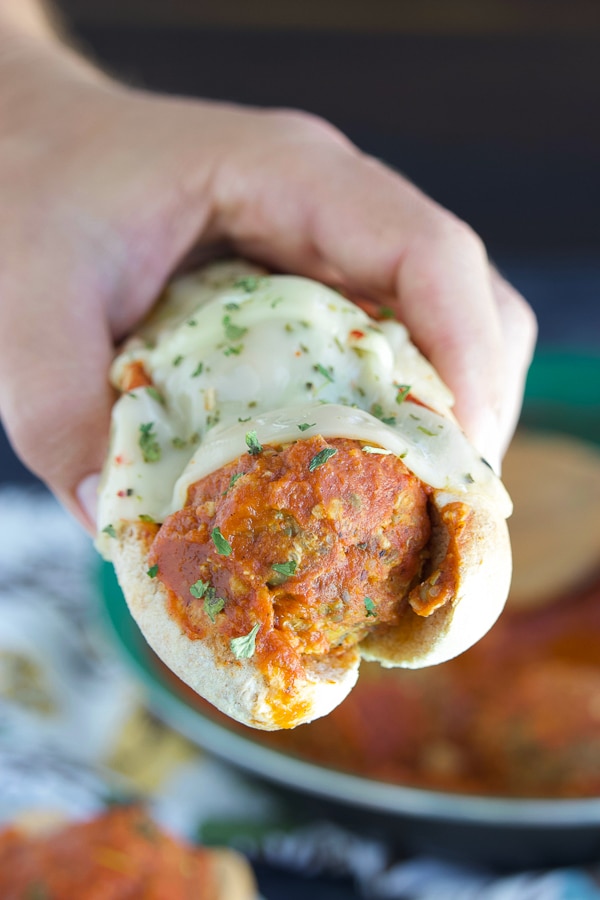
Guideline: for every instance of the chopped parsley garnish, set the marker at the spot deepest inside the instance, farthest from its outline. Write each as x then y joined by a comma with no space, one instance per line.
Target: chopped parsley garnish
179,443
233,350
248,284
276,302
244,647
379,450
213,605
233,332
148,443
192,322
253,444
153,571
199,589
232,305
426,431
178,360
198,370
144,517
469,478
377,411
387,313
326,373
339,344
370,607
287,568
222,544
234,478
304,426
403,392
110,531
156,395
321,458
244,419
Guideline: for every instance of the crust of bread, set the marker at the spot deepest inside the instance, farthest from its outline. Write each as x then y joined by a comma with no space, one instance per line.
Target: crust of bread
241,690
235,686
482,579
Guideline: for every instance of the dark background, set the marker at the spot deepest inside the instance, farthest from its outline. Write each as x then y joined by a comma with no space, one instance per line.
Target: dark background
491,106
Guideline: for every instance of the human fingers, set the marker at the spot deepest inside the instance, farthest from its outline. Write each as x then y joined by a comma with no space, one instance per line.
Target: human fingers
519,328
327,211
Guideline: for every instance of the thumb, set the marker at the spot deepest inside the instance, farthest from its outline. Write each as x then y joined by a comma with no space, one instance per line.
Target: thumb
55,398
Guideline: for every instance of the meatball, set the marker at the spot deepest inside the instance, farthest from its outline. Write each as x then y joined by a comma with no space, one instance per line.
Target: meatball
317,540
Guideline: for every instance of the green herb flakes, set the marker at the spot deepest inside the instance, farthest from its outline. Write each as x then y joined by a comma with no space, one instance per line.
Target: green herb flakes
244,647
144,517
222,544
377,411
234,478
233,332
326,373
304,426
198,370
156,395
233,350
179,443
213,605
153,571
469,478
248,284
370,609
387,313
321,458
232,306
426,431
244,419
377,450
199,589
253,444
287,569
192,323
110,531
178,360
149,445
403,391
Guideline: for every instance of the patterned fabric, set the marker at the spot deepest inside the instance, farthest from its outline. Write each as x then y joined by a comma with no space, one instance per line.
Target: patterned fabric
76,734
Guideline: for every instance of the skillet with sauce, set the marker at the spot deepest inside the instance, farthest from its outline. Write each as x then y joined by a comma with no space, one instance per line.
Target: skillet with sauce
518,714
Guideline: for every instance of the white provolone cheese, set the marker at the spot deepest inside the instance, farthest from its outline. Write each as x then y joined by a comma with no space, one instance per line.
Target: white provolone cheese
231,350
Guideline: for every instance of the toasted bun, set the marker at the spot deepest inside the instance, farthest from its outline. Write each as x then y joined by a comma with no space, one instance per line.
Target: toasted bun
469,562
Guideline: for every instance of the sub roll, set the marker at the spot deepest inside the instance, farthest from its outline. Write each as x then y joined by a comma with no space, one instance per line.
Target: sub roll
287,492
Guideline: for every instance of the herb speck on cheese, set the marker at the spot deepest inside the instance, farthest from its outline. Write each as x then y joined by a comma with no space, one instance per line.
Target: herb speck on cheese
233,332
403,391
153,571
156,395
110,531
198,370
178,360
304,426
249,283
253,444
326,373
287,568
148,442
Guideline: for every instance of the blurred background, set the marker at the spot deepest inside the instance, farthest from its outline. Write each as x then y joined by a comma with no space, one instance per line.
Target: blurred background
490,106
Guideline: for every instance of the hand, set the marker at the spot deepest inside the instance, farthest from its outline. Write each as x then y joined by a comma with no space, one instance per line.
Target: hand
106,190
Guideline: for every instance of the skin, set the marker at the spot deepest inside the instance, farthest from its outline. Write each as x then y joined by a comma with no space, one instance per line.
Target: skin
107,191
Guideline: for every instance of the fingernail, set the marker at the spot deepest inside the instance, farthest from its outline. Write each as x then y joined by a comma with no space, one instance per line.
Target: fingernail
87,496
487,439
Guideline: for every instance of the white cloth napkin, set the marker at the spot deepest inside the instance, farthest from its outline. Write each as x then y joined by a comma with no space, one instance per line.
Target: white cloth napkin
75,730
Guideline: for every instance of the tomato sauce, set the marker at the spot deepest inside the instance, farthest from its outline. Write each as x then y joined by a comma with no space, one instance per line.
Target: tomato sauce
119,855
316,542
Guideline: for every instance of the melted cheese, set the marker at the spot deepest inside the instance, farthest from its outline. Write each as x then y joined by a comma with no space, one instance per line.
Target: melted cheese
231,350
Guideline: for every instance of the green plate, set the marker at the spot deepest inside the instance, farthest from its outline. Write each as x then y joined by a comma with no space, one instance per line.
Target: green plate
563,394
